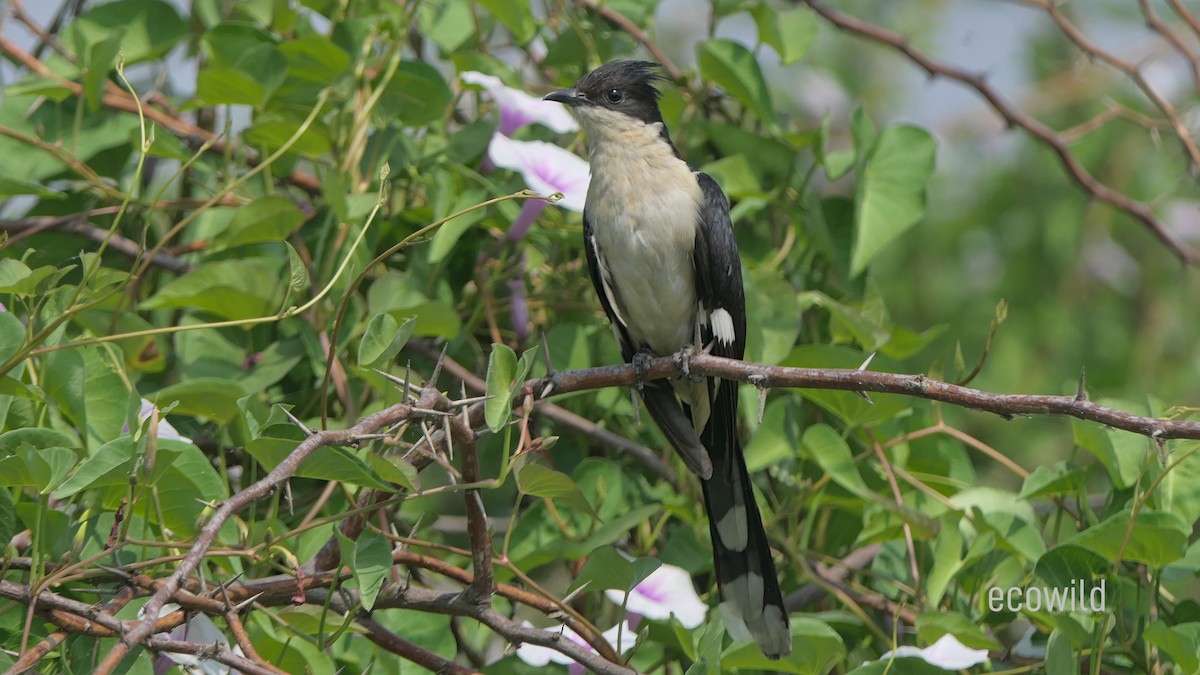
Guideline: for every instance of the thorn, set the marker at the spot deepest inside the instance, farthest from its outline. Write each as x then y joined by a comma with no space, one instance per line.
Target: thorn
762,403
1160,440
866,398
437,368
1081,390
462,403
549,389
247,602
297,422
407,377
287,496
546,354
405,386
115,571
867,363
207,502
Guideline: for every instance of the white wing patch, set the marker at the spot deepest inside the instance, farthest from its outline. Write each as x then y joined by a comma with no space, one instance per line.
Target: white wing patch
722,326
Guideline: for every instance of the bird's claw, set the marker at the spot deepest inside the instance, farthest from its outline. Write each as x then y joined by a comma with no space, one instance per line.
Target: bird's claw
683,359
641,366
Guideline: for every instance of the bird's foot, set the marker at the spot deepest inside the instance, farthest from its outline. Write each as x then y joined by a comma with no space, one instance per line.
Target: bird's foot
641,365
683,359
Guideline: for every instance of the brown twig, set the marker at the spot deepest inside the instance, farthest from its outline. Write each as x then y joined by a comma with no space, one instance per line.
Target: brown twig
121,101
403,648
624,23
1015,117
559,414
1129,70
1157,25
78,224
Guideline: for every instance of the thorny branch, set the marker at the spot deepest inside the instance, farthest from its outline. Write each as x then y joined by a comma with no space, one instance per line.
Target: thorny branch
181,586
1044,134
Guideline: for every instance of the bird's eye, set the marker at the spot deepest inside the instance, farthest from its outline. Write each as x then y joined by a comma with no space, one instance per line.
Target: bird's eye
614,96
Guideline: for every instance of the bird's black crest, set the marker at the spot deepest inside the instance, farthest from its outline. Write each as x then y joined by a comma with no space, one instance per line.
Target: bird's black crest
634,79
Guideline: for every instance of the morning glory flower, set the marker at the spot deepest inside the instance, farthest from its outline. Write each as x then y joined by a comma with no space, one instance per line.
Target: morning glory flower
547,169
165,430
518,109
947,653
199,629
536,655
668,590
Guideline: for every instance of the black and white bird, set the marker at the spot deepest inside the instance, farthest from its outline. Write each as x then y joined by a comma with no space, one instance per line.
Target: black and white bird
664,261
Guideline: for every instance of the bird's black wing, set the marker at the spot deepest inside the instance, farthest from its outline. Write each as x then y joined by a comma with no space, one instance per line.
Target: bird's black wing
751,602
660,398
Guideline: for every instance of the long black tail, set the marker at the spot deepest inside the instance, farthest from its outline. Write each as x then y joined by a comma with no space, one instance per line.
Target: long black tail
751,604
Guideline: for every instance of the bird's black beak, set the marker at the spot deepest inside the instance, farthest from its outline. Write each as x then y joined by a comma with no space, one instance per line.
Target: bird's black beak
568,97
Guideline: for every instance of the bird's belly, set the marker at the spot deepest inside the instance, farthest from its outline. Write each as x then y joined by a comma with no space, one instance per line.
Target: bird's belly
654,280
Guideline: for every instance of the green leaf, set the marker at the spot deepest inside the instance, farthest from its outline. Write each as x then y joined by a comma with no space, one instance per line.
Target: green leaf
1156,538
12,273
1065,565
189,483
274,133
417,95
772,301
450,25
890,195
790,33
538,481
151,28
501,378
48,467
372,560
1181,642
824,446
315,58
606,568
394,470
270,218
383,339
8,516
110,465
231,289
817,650
338,464
516,15
211,398
931,626
297,273
100,60
1058,479
1060,656
1119,452
847,406
734,68
448,235
229,86
735,175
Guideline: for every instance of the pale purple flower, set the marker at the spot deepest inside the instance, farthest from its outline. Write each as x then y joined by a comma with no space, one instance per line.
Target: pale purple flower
947,653
546,169
165,430
198,629
668,590
536,655
518,109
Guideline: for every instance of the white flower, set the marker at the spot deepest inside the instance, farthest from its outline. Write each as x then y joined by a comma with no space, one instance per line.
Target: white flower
536,655
518,109
165,430
947,653
668,590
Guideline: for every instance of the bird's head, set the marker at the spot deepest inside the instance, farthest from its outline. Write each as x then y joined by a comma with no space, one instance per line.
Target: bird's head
617,93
